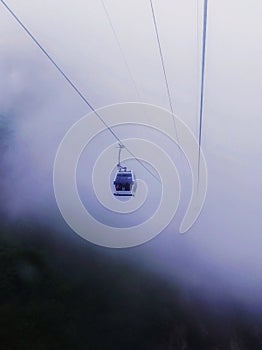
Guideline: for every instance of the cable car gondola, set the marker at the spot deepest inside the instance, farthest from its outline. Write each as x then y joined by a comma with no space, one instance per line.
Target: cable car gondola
124,181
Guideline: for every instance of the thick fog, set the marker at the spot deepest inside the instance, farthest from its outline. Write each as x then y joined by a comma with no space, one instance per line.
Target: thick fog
220,256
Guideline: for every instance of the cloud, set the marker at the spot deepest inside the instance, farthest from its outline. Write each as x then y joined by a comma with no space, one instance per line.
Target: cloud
38,107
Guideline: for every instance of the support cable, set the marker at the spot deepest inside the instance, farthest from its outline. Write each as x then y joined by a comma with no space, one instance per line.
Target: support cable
74,86
121,49
163,66
202,90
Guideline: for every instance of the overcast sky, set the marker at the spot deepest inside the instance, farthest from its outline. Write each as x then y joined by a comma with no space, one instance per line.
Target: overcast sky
223,249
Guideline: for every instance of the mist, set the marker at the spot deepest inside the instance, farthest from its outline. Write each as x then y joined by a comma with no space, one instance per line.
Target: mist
219,258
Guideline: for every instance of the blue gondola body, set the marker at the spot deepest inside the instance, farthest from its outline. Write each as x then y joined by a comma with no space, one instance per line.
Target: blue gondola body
124,182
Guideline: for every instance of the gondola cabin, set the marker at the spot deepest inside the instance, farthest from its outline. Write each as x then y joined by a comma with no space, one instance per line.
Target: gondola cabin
124,182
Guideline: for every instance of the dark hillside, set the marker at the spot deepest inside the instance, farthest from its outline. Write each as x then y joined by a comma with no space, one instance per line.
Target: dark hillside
76,299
